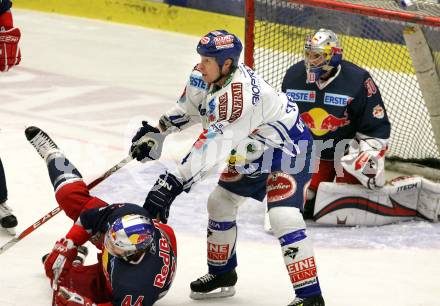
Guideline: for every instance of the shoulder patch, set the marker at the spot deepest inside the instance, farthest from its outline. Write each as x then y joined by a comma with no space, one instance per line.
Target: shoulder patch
378,112
197,82
370,86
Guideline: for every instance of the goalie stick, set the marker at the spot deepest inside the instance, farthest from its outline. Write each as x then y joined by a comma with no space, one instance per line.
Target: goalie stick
55,211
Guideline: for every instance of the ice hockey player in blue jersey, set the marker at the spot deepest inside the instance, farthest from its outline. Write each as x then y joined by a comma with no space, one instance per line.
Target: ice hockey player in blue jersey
342,106
139,256
269,148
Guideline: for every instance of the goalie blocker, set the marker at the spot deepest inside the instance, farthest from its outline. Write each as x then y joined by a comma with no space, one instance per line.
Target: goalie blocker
403,198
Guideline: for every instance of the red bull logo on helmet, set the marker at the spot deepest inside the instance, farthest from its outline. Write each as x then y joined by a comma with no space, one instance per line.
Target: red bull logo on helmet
337,100
321,122
301,95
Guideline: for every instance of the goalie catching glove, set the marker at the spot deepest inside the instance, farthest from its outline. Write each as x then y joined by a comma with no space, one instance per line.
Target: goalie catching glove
60,260
147,143
64,252
366,160
10,54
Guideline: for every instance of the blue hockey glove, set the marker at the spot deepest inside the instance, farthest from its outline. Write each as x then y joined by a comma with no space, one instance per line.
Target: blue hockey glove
160,197
147,143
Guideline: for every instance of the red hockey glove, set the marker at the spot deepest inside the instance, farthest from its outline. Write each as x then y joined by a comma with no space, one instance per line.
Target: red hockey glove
65,297
59,261
10,54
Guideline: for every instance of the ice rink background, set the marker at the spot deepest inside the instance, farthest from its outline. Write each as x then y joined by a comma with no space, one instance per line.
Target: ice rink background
89,84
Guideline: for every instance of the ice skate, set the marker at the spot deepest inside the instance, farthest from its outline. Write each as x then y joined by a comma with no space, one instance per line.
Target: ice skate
7,220
214,286
44,145
310,301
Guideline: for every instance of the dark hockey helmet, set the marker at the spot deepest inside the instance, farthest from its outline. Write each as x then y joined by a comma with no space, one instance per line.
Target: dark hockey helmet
221,45
129,235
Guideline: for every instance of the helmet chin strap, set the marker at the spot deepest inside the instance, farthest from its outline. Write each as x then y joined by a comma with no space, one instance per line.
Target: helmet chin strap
134,260
328,74
220,76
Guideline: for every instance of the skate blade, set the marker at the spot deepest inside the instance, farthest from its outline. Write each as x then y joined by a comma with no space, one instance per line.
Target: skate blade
224,292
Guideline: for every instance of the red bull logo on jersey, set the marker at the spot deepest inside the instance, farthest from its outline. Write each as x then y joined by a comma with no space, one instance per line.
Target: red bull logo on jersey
378,112
320,122
301,95
337,100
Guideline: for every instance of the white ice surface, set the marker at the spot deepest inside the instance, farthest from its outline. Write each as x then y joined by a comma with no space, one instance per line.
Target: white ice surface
88,84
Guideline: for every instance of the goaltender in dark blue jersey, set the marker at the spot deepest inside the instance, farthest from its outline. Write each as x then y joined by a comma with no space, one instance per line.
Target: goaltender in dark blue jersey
351,103
145,282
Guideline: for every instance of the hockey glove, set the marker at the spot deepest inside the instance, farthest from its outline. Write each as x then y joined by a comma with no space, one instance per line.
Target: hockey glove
65,297
147,143
9,37
160,197
366,161
60,260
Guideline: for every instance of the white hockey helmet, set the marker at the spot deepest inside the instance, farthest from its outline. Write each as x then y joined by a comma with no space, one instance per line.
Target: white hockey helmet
129,235
322,52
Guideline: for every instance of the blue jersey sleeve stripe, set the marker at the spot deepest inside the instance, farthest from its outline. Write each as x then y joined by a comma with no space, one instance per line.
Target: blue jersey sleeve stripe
278,131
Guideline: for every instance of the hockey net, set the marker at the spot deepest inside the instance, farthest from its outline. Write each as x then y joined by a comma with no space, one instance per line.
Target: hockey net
372,36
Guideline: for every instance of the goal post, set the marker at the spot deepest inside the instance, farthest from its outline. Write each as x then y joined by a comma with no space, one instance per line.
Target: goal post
400,48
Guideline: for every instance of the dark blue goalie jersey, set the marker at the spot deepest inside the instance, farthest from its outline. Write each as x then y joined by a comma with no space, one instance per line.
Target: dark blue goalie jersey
351,103
135,284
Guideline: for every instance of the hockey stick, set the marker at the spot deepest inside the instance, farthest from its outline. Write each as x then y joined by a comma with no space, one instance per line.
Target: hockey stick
55,211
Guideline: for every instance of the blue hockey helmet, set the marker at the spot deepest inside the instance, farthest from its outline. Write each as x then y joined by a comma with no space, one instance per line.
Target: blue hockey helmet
221,45
129,235
322,52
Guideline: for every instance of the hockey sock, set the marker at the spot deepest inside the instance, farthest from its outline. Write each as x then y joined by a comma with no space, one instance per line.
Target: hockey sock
289,226
61,171
300,263
221,246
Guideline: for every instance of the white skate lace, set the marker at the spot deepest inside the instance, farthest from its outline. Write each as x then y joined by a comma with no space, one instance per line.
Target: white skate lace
206,278
42,143
5,210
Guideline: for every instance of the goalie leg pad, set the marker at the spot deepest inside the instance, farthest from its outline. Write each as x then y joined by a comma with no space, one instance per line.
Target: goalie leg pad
222,230
344,204
288,225
429,200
